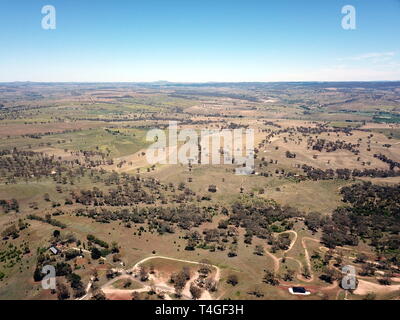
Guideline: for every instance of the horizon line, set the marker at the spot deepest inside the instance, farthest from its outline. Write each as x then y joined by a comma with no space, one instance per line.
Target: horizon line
197,82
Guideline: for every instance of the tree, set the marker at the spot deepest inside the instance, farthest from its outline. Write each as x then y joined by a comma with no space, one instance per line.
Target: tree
330,275
289,275
271,278
368,269
205,268
386,280
191,245
110,273
256,292
98,295
210,285
186,272
313,221
10,231
79,291
62,291
179,280
195,291
178,291
75,280
223,224
259,250
152,289
71,254
361,258
232,251
339,260
95,275
95,253
143,274
114,247
232,279
38,275
63,269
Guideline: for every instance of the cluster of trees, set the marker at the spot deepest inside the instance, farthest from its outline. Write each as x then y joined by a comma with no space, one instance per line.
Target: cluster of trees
28,165
258,216
392,164
48,219
132,190
9,205
282,242
322,128
63,269
180,279
92,239
373,214
332,146
49,133
214,239
12,231
346,174
290,155
121,196
162,219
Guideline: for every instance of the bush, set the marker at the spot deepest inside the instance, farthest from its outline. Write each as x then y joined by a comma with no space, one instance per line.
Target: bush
232,280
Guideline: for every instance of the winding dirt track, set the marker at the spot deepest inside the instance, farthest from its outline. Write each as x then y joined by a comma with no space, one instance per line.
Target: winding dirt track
363,288
217,273
109,290
277,260
307,257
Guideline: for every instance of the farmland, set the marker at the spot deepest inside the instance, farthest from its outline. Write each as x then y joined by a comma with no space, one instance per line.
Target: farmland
323,193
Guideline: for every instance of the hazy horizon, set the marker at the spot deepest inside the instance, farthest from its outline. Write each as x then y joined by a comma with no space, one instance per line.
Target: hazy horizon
190,82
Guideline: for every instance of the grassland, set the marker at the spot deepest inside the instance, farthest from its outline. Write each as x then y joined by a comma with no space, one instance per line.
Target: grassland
101,133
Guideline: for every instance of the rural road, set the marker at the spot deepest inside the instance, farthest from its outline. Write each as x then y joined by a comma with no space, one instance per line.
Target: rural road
108,289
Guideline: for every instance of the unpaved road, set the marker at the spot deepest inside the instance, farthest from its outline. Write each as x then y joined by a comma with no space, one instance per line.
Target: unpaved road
158,285
277,260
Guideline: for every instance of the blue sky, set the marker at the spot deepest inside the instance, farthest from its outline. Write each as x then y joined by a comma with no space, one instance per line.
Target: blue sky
199,41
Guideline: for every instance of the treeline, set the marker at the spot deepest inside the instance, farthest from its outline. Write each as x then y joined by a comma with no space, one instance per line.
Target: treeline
161,219
48,219
392,164
346,174
332,146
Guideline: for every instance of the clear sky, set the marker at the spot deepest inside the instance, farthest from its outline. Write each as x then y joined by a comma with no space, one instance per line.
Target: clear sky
199,41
